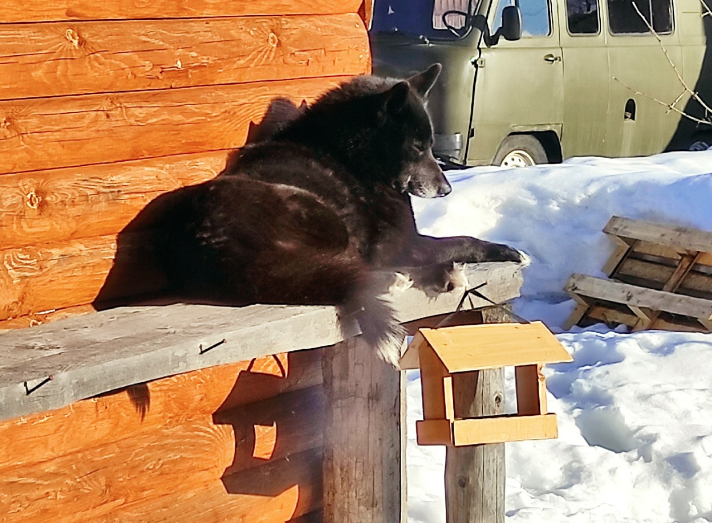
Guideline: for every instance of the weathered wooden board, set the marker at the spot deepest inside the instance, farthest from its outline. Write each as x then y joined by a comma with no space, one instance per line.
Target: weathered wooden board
42,10
159,404
46,133
631,295
148,343
475,476
363,464
39,60
685,238
56,205
200,451
272,493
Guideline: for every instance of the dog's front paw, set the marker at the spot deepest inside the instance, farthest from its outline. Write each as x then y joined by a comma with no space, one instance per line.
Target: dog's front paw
437,279
501,252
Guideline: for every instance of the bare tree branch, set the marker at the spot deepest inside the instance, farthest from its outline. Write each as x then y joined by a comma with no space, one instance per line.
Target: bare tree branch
671,107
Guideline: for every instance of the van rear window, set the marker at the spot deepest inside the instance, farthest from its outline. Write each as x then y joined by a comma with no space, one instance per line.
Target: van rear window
623,18
582,17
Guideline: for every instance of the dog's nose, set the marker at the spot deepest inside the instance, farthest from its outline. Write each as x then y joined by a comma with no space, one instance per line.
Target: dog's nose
444,189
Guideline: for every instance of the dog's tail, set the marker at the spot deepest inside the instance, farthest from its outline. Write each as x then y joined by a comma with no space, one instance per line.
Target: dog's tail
376,317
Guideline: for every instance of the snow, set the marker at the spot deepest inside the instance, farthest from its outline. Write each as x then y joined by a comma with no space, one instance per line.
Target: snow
634,410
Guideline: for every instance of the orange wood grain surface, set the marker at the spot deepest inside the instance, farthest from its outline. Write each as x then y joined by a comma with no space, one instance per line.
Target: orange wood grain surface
71,273
147,464
39,60
51,10
159,405
45,133
55,205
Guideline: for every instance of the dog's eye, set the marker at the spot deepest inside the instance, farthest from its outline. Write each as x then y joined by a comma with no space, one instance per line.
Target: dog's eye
420,147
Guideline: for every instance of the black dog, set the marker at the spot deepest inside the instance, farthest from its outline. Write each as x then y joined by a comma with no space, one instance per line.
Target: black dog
306,216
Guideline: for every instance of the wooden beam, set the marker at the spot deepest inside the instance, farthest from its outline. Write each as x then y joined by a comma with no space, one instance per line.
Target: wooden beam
273,493
660,233
163,404
58,10
475,476
363,454
200,450
620,252
57,205
38,60
504,429
67,274
46,133
638,297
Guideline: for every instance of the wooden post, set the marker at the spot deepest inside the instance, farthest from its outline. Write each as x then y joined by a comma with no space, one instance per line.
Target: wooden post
363,465
475,475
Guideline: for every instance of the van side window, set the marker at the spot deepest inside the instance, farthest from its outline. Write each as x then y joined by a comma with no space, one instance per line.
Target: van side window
582,17
535,16
623,18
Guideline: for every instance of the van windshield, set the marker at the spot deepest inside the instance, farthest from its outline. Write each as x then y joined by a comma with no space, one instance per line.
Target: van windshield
421,18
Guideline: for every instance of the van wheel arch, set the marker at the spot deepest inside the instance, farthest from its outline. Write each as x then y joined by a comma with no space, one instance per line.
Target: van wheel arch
524,149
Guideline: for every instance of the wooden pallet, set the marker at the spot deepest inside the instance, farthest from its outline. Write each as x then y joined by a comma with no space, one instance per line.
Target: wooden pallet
660,278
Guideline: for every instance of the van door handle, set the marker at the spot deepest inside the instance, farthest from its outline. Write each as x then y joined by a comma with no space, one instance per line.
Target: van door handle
552,59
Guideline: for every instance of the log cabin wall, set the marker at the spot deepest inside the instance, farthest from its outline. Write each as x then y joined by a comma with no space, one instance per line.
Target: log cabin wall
239,442
106,105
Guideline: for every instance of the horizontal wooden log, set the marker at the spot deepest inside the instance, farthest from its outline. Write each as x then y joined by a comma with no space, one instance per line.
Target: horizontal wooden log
38,318
630,295
56,205
39,60
659,233
159,404
146,465
56,10
275,492
72,273
46,133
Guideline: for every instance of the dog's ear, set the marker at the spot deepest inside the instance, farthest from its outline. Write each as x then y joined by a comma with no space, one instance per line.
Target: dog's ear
423,82
395,98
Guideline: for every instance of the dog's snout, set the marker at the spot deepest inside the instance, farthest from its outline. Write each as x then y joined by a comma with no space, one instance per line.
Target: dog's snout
444,189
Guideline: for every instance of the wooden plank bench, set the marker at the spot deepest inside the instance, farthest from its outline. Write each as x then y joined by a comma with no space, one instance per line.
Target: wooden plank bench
660,277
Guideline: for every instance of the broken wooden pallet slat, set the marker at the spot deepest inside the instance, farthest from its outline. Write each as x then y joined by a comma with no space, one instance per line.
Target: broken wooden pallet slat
631,295
659,233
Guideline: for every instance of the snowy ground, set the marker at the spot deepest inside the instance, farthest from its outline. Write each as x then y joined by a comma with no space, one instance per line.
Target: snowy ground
635,410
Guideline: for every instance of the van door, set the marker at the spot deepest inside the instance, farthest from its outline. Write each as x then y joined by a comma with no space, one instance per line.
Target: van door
640,71
586,79
519,84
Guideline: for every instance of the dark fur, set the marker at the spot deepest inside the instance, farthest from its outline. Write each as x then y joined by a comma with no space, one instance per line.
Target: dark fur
305,216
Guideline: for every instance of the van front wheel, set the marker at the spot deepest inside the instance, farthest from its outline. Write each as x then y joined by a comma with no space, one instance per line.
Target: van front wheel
520,150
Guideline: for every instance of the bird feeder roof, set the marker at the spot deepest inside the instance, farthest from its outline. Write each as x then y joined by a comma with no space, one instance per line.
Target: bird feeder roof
488,346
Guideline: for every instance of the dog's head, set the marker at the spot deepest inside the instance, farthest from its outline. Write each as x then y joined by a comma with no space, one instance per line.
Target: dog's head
410,133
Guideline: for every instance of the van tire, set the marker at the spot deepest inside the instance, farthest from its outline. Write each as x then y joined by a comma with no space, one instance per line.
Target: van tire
520,150
700,142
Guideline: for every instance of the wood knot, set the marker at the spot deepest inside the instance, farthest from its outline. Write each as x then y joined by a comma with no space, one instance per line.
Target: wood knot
461,481
33,200
498,399
73,38
273,39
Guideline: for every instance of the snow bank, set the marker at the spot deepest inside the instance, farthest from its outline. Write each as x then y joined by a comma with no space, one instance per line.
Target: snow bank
635,410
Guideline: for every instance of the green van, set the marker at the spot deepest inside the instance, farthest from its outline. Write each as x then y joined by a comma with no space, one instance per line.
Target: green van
556,79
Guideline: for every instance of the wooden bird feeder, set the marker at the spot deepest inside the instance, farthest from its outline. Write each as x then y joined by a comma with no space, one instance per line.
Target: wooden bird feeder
445,356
